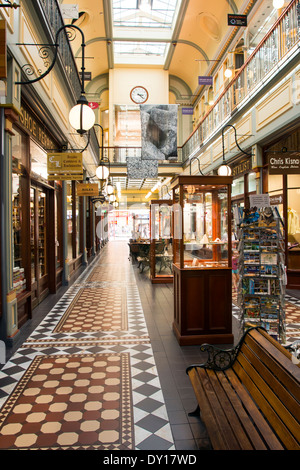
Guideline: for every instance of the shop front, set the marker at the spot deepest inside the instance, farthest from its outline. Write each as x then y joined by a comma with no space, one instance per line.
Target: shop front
281,179
36,215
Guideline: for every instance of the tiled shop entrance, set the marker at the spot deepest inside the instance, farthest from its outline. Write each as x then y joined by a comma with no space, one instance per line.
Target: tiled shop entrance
103,369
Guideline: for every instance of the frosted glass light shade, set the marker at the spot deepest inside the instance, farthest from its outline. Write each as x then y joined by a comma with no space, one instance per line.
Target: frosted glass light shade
228,73
278,3
102,172
109,188
224,170
112,198
81,116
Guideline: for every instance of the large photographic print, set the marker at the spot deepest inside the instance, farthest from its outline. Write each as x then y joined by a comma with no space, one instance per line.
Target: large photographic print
159,132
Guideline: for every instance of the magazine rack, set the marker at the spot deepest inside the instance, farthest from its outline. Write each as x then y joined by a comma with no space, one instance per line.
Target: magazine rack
262,275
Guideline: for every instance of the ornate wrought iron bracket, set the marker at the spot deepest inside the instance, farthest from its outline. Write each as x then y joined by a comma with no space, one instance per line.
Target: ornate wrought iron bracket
193,158
44,54
236,142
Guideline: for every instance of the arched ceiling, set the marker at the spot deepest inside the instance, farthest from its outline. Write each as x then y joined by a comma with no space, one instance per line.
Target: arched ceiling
199,33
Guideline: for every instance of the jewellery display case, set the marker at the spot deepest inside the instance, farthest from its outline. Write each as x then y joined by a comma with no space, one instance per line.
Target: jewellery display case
161,253
202,259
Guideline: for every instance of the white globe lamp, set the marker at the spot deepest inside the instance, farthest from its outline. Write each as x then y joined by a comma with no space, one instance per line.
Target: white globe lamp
81,116
102,172
224,170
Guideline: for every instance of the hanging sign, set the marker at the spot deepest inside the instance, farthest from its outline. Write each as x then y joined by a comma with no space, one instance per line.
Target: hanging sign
205,80
237,20
64,166
284,164
87,189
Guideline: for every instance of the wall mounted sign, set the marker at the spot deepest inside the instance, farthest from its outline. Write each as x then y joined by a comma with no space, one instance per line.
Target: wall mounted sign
205,80
241,168
237,20
36,128
275,200
64,166
89,189
284,164
189,111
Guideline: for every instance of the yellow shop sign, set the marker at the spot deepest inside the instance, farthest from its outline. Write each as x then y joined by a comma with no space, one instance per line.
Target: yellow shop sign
64,166
87,189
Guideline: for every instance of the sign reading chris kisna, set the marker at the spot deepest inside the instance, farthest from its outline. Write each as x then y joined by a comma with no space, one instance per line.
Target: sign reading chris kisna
284,164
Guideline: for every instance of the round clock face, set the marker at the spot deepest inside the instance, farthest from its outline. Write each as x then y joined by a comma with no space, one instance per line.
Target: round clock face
139,94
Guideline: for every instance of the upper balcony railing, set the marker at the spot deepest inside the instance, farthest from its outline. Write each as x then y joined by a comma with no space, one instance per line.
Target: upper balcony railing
55,21
120,155
275,48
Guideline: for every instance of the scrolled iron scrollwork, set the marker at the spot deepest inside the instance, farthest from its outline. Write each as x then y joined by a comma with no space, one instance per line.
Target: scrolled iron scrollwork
218,359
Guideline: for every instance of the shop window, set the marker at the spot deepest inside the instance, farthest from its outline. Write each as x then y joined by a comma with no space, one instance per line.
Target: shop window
251,182
19,281
293,215
237,186
69,221
38,159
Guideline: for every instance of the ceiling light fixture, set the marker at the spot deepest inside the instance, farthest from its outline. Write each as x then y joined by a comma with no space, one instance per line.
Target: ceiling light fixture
278,3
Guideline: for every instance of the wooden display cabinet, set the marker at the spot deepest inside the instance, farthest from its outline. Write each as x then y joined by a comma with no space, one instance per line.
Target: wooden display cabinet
161,253
202,259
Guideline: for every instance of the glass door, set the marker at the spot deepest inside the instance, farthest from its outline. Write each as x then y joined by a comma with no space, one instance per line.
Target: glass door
38,244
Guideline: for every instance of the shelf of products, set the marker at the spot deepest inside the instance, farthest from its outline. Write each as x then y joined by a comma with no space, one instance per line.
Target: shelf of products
261,268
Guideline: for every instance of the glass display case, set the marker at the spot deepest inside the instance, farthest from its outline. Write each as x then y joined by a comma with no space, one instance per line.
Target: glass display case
161,252
202,259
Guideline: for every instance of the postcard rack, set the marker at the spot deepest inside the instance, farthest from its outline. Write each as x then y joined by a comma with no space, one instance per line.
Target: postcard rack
262,275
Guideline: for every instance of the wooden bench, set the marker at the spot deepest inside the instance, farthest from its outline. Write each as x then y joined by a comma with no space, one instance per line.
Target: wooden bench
249,396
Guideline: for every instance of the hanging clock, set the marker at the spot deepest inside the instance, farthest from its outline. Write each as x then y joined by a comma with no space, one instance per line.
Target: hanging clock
139,95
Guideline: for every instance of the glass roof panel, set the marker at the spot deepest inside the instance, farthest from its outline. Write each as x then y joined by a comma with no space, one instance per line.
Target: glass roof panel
144,13
140,48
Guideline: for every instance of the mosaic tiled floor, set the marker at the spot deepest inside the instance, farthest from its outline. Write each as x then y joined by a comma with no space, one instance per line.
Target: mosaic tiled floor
73,386
86,377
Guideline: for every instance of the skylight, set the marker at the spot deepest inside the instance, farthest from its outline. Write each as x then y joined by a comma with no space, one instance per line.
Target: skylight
136,23
144,13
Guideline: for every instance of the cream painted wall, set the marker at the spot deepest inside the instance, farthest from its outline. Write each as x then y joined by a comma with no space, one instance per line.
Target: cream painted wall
121,82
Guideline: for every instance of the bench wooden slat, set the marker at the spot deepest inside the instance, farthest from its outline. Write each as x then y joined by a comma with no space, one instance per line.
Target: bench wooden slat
276,351
215,435
218,412
246,422
231,417
277,386
261,424
247,374
278,346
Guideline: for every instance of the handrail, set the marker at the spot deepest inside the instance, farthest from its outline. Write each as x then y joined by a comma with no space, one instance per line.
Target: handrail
235,84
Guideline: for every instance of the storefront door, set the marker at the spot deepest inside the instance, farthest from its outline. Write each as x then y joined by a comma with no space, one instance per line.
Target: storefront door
39,244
